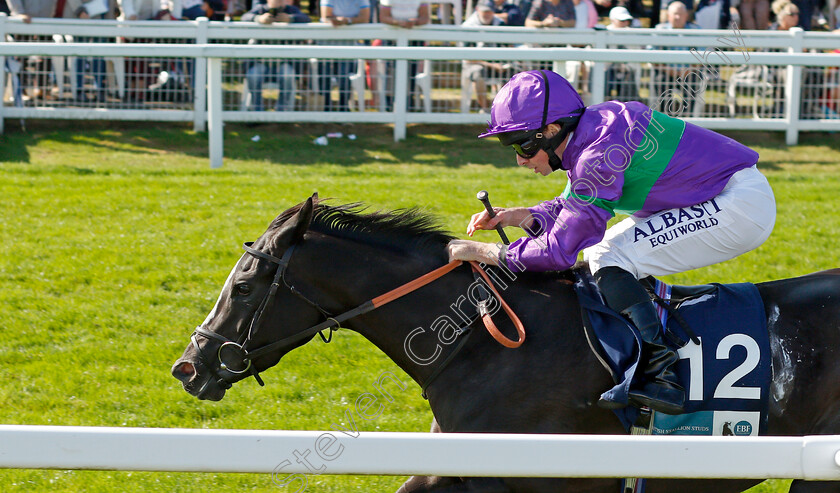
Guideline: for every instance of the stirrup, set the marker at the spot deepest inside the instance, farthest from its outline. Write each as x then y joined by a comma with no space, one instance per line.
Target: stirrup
666,404
611,405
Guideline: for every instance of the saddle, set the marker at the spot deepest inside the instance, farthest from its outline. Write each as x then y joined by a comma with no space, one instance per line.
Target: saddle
679,294
720,333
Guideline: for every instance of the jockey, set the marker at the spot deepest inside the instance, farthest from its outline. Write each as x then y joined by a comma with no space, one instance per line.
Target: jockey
694,198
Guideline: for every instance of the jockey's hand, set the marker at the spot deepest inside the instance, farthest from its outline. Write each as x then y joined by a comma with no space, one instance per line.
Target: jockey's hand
468,250
514,216
481,220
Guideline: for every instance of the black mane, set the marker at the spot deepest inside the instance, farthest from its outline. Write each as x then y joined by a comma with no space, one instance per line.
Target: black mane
404,229
409,230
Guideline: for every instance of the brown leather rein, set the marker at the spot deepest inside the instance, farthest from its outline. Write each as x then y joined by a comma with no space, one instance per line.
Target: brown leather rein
485,317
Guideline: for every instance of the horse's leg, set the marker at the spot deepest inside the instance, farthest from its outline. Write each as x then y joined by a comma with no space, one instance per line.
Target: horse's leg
417,484
435,484
801,486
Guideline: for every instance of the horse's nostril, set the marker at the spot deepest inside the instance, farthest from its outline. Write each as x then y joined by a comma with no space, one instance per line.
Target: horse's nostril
183,371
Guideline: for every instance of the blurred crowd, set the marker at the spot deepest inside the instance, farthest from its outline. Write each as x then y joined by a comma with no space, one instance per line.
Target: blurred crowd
42,77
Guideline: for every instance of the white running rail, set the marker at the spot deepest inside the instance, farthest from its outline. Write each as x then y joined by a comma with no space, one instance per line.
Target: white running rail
458,454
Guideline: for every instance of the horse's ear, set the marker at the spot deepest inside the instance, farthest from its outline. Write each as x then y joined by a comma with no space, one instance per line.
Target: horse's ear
285,232
300,222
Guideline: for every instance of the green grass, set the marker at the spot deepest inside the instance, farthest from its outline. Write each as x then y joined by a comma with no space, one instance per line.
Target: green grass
117,237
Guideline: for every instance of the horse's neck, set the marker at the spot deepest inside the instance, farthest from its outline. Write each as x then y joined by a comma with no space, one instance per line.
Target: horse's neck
415,332
350,279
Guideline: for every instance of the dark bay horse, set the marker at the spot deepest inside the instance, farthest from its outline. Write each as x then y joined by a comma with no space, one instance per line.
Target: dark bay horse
323,260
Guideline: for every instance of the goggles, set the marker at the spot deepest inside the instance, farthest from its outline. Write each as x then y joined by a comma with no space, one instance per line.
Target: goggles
529,147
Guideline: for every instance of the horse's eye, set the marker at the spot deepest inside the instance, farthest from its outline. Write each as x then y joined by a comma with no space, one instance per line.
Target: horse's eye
243,289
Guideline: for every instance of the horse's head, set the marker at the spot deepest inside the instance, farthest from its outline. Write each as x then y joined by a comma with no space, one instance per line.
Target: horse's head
233,341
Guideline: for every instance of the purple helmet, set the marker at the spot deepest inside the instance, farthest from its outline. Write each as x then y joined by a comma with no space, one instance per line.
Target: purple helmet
530,100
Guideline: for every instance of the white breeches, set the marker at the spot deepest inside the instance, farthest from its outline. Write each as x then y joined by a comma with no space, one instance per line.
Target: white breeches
738,220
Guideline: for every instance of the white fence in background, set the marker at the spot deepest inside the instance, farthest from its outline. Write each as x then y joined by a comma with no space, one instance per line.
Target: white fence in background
755,80
442,454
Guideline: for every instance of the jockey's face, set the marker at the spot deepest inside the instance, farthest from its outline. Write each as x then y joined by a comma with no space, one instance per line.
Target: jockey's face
539,162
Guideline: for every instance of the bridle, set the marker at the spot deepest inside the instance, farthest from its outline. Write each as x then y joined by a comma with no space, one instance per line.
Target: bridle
241,360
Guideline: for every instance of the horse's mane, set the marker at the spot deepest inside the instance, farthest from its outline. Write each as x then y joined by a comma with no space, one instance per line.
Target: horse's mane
410,229
404,229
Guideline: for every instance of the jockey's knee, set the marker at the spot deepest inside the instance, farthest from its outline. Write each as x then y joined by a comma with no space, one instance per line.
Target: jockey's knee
603,255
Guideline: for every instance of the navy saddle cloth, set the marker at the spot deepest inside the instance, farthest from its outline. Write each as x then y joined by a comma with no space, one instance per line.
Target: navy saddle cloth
726,376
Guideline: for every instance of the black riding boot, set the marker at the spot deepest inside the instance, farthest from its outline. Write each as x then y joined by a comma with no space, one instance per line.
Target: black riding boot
624,294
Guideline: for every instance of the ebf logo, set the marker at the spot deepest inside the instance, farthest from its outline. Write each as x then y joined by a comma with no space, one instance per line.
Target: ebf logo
742,428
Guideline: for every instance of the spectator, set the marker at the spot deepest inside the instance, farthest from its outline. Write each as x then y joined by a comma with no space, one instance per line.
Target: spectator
621,77
37,69
235,8
139,10
836,26
281,71
476,72
405,14
27,9
586,17
678,79
524,9
484,15
193,9
787,15
620,18
551,13
95,66
11,66
508,13
171,82
773,77
340,13
312,6
275,11
714,14
755,14
635,7
345,12
807,8
138,72
814,84
830,107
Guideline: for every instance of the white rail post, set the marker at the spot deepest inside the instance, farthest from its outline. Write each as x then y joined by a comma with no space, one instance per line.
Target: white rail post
215,135
200,82
2,72
793,90
400,91
598,74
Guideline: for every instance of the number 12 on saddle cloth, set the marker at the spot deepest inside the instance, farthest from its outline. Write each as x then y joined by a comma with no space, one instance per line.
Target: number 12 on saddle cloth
726,376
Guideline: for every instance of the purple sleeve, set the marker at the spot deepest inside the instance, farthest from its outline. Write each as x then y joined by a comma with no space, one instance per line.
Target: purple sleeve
557,247
544,215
